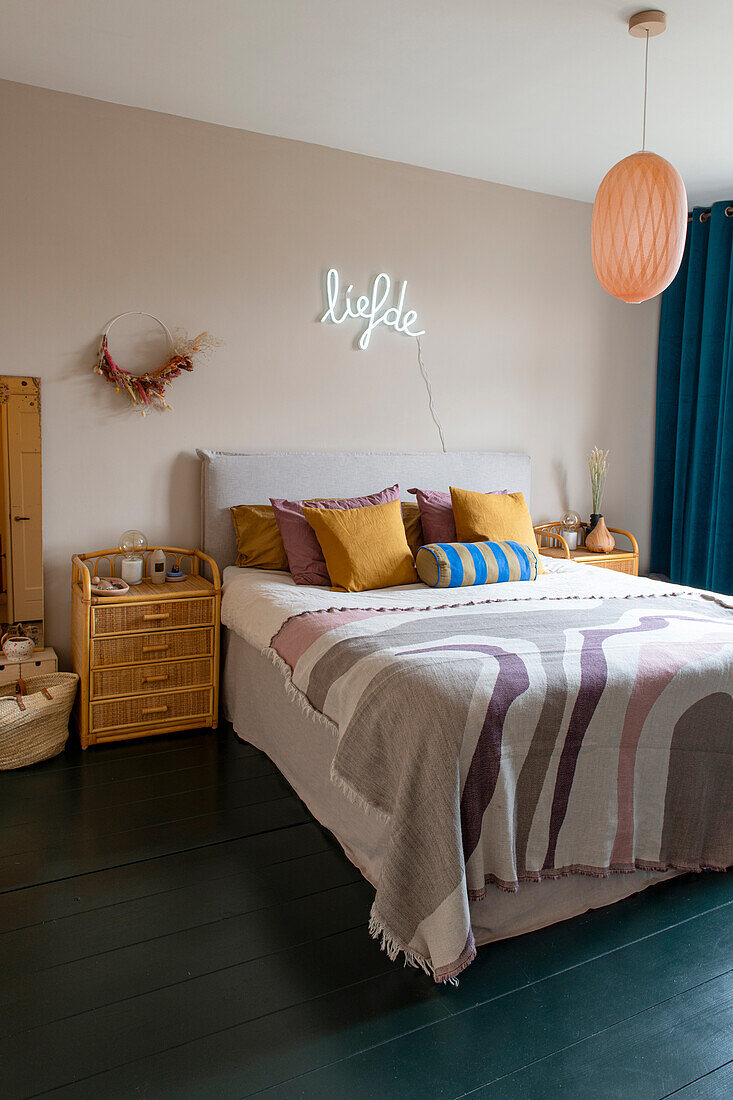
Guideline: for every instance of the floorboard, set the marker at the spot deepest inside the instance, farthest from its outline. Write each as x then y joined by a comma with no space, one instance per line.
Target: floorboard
79,894
173,923
458,1055
653,1050
715,1085
82,798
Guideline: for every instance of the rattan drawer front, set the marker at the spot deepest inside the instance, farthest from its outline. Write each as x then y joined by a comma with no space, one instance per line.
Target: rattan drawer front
145,679
620,565
167,614
152,710
141,649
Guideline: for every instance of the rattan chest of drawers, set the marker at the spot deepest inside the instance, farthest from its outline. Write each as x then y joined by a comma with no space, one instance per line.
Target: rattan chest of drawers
148,661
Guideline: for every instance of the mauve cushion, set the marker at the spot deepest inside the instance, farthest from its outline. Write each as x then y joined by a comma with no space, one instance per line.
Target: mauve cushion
436,514
305,558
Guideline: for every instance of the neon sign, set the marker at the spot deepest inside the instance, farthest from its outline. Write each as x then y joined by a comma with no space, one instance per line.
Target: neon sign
369,307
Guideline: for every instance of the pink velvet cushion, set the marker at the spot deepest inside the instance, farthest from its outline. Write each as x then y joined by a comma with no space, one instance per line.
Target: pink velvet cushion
436,514
305,558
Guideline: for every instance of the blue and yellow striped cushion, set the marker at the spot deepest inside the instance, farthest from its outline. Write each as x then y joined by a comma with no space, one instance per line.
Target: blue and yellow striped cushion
458,564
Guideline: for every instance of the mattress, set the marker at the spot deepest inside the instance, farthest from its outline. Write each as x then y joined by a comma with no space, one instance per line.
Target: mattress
256,602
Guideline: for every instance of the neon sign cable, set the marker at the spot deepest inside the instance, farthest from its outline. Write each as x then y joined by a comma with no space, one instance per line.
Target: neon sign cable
369,307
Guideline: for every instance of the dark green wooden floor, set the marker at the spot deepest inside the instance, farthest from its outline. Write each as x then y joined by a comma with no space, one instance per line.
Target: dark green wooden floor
173,923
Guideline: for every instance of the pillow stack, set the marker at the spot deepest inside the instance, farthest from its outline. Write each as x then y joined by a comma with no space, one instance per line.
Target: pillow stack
358,543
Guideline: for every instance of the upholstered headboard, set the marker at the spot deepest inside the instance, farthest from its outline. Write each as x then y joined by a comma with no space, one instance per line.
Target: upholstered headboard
228,479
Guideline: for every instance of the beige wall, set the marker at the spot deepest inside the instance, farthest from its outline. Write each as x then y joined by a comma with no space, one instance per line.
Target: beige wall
109,208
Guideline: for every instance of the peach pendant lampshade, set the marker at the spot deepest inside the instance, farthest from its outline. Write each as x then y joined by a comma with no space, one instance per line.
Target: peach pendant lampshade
640,213
639,227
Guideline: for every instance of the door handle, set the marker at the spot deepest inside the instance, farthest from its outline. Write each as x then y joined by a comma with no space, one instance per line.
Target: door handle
18,519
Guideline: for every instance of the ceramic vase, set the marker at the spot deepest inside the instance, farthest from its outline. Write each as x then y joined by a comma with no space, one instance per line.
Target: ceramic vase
16,646
599,539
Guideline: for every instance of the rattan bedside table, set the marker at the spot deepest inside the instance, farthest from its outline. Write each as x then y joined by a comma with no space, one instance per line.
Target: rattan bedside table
553,545
148,661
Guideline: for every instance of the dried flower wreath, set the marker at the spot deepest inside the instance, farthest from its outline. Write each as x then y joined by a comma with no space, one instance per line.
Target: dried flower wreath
147,391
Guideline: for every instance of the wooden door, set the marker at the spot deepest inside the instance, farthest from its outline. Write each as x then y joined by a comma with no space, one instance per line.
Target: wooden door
25,506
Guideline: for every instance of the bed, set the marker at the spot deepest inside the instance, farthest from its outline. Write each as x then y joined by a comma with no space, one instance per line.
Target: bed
626,770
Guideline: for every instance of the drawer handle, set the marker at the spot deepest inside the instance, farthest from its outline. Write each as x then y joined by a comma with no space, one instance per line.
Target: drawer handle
156,648
154,710
160,615
154,679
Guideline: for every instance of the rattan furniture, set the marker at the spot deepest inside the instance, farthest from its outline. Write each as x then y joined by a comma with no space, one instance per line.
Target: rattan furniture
148,661
551,542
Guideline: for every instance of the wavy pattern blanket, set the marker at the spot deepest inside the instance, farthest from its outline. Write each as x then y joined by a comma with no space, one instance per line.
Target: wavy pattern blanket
519,741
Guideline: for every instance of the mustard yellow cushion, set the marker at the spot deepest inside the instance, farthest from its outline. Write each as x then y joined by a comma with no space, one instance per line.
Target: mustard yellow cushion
259,543
493,517
364,547
413,526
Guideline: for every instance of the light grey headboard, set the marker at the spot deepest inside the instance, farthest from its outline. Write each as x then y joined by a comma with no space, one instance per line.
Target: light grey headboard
228,479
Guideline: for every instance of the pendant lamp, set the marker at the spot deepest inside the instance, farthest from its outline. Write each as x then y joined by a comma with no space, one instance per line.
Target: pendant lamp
639,220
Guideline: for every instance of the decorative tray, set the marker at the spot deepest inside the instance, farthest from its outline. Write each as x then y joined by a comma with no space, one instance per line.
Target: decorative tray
117,587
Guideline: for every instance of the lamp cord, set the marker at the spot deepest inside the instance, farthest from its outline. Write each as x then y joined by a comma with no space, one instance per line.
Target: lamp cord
429,388
646,69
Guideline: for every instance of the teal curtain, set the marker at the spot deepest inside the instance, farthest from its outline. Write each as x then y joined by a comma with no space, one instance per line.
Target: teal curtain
692,519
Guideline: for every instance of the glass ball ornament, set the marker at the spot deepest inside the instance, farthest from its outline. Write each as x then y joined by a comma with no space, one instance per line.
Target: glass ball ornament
571,521
133,543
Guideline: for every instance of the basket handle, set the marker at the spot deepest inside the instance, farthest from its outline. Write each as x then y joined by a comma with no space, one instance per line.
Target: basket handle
15,632
21,690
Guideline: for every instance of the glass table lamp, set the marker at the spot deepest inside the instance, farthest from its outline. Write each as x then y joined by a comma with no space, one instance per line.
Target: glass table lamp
570,526
132,544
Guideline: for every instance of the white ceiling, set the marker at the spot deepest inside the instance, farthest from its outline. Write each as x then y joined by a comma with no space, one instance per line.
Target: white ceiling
540,94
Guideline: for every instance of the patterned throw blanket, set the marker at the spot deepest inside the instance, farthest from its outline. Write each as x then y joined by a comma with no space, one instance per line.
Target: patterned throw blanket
514,742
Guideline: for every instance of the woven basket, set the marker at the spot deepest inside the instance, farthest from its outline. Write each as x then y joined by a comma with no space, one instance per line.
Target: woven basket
42,729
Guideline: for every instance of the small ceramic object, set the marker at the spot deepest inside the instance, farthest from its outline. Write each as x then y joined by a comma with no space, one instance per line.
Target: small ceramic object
175,574
157,566
131,569
16,645
599,539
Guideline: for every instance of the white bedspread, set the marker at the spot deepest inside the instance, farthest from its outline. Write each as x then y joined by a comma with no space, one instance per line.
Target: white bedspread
257,602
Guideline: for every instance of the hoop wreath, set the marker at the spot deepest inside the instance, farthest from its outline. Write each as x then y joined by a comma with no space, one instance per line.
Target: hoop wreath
147,391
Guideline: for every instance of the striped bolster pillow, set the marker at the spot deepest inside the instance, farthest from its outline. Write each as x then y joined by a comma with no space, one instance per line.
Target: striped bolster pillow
457,564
